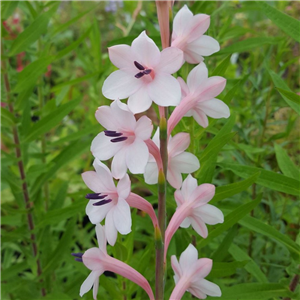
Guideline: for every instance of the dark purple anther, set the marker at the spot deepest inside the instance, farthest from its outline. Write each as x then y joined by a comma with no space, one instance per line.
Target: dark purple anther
148,71
139,66
109,131
95,196
119,139
139,75
102,202
78,259
114,134
78,256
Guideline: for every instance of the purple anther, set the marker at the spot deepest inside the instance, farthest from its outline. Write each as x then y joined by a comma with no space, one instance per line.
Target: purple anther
78,259
102,202
148,71
79,255
119,139
109,131
139,75
113,134
139,66
95,196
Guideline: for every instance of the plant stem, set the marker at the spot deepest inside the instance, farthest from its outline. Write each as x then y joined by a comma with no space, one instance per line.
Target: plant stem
22,176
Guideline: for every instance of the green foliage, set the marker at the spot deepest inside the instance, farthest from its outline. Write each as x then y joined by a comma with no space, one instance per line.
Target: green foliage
252,157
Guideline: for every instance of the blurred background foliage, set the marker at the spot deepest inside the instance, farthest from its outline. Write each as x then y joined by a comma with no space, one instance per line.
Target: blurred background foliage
54,62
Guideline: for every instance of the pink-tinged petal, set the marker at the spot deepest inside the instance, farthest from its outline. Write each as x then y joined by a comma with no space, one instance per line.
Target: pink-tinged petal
97,213
188,258
105,176
199,226
145,51
185,163
111,232
92,181
95,288
181,286
143,128
125,117
140,101
181,21
137,156
103,148
179,197
93,259
184,88
201,269
151,173
202,194
106,118
121,56
128,272
124,187
208,288
197,27
174,176
188,186
197,292
101,238
192,57
118,166
176,266
200,117
140,203
210,88
178,143
164,90
197,77
209,214
186,223
171,60
89,282
214,108
122,216
205,46
154,153
155,138
120,84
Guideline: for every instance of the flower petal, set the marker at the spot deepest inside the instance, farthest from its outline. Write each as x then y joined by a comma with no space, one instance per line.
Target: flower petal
164,90
192,57
88,283
209,214
105,117
210,88
120,84
184,88
197,77
200,117
178,143
185,162
208,288
124,116
143,128
137,156
194,290
174,176
121,56
198,25
97,213
179,197
145,51
186,223
151,173
122,216
181,21
202,194
111,232
205,46
176,267
101,238
214,108
124,187
171,60
105,175
199,226
118,165
139,101
96,287
188,258
188,186
92,259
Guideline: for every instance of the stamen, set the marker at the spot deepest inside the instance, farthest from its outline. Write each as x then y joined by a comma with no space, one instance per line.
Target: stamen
119,139
113,134
148,71
77,254
139,66
79,259
109,131
102,202
139,75
95,196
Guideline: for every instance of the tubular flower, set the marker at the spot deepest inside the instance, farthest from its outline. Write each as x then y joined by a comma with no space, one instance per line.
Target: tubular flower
189,275
98,261
198,98
179,161
188,36
124,139
192,209
144,74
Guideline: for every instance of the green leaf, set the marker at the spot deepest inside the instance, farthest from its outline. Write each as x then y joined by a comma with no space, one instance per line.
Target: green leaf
32,32
29,76
223,269
13,270
7,8
269,179
222,67
285,163
231,219
289,95
238,254
288,24
248,44
255,291
51,120
267,230
226,191
280,84
7,118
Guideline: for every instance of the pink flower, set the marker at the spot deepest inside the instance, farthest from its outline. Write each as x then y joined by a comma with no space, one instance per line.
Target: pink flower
144,75
198,98
193,209
188,36
98,261
124,139
189,275
179,161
